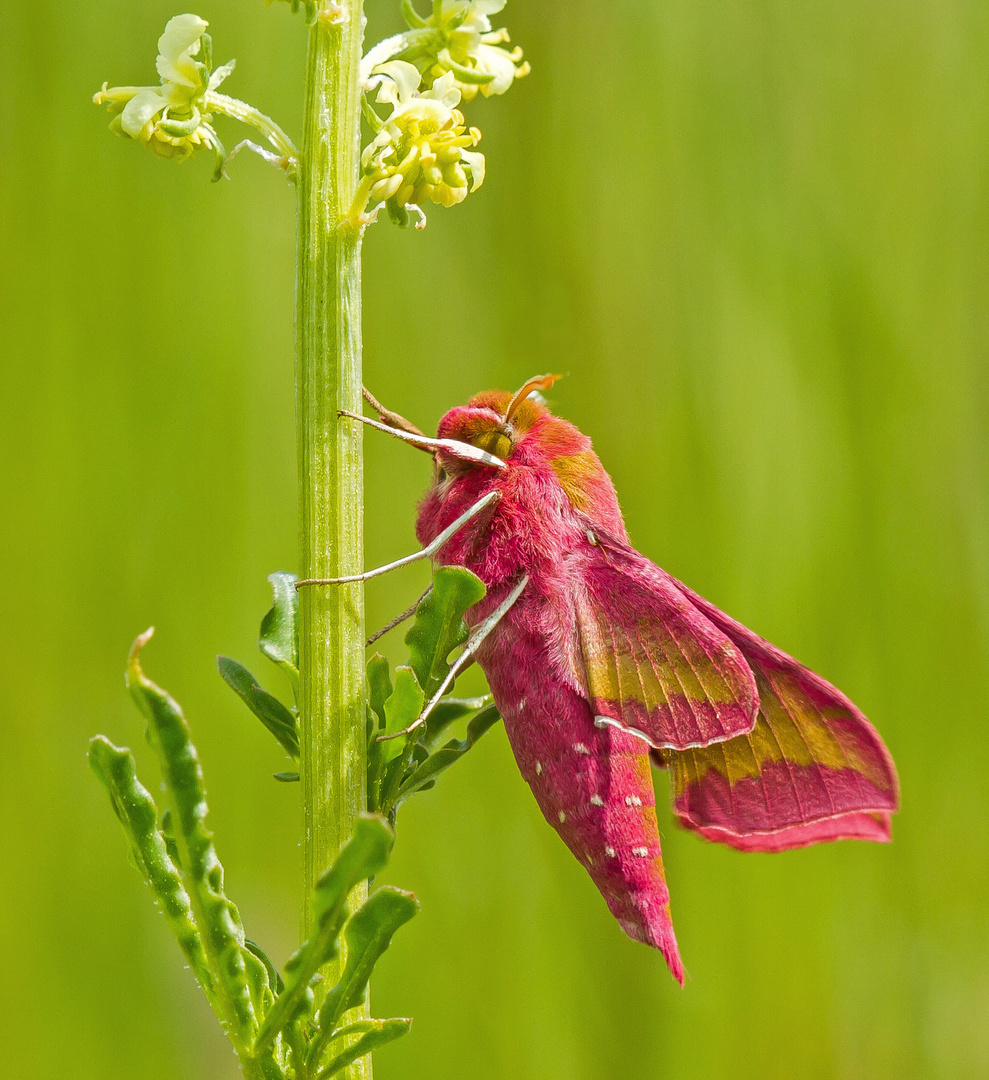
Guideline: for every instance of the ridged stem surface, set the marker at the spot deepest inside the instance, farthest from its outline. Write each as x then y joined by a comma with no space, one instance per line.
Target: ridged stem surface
328,378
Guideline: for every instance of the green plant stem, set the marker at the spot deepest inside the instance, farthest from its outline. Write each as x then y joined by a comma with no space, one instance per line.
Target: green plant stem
333,763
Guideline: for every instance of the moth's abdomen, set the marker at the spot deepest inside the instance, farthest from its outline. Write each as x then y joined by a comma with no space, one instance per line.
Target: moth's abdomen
593,785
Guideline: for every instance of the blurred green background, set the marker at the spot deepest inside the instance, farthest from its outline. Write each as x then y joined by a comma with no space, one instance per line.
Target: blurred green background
755,234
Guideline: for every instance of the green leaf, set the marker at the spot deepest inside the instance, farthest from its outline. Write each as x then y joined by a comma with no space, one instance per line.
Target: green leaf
279,639
368,935
448,755
376,1033
379,690
266,707
404,703
363,856
275,980
202,874
439,624
286,777
138,815
379,685
447,711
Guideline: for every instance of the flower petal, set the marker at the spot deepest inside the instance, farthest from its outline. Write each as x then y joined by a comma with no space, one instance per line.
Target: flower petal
142,108
404,78
175,48
499,63
474,160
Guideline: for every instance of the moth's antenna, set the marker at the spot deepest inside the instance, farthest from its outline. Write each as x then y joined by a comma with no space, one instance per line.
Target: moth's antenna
537,382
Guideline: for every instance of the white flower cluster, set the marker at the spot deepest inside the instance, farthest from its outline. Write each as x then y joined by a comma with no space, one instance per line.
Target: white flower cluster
421,154
423,151
173,119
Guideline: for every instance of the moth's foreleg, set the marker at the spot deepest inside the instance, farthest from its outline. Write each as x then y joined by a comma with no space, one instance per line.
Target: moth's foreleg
466,658
427,552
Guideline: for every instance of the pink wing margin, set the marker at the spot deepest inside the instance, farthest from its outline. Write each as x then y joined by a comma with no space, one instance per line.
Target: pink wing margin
812,769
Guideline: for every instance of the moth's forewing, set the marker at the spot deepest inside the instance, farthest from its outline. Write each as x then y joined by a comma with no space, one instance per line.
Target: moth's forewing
654,664
813,769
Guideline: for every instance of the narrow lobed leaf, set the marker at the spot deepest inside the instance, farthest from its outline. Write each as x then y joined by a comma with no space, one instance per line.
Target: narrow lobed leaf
136,810
266,707
439,624
202,874
368,935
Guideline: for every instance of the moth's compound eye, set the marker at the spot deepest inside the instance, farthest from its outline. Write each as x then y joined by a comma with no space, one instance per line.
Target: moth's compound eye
493,441
439,473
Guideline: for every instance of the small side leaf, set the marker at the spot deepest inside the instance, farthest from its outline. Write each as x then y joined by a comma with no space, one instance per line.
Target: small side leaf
364,855
376,1033
368,934
379,685
404,703
448,710
448,755
279,639
266,707
439,624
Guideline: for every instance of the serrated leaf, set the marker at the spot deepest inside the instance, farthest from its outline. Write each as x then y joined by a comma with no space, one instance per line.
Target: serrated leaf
448,755
377,1033
202,873
368,935
439,624
266,707
279,639
363,856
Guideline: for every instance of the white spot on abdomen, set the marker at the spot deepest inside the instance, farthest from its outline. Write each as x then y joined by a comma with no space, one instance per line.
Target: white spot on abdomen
580,748
596,800
609,851
563,817
539,768
633,800
642,852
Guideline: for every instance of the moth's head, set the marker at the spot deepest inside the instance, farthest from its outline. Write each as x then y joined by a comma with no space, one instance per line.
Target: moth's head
520,430
495,422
